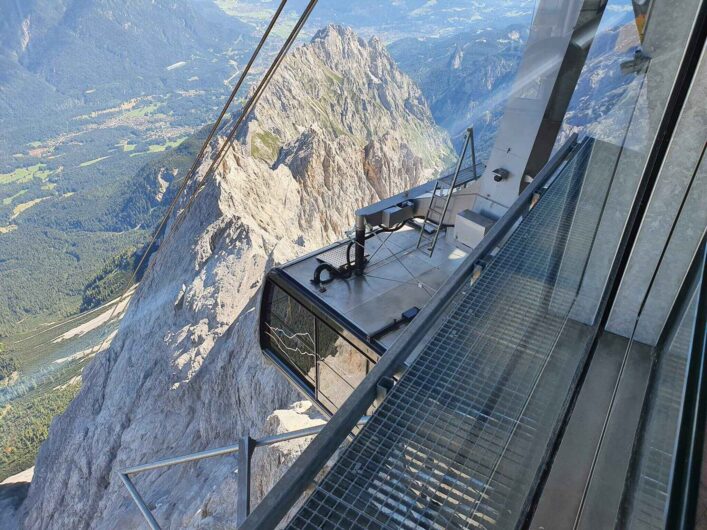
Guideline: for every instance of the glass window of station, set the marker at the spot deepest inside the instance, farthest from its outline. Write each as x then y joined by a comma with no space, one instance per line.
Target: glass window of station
311,353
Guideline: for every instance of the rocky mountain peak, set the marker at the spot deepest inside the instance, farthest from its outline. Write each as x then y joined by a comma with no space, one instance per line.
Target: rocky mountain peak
340,127
353,88
336,35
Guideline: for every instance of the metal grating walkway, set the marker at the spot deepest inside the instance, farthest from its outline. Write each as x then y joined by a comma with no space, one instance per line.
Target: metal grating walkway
459,440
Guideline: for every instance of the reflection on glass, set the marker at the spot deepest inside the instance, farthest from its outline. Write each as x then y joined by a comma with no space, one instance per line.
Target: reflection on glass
606,95
325,361
649,491
619,101
341,367
291,332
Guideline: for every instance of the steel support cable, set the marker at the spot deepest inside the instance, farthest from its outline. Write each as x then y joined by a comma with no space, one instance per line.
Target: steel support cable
218,159
198,159
265,81
353,243
400,262
227,105
218,122
381,245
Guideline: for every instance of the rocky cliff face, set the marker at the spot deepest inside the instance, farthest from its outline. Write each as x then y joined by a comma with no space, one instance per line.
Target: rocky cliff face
465,77
340,126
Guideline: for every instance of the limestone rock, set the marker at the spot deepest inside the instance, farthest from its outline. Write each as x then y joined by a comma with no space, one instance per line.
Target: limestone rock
185,372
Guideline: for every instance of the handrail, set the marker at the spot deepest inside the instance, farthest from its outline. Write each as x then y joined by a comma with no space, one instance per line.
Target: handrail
452,184
245,447
481,196
685,481
303,471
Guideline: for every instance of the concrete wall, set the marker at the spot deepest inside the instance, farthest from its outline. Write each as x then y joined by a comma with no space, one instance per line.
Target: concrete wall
666,36
676,217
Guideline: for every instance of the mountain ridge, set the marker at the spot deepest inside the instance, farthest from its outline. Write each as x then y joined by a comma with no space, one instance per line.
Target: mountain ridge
78,54
188,343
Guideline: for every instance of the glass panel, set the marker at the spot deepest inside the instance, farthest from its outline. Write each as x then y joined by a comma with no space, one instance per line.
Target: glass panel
341,367
620,100
649,491
290,328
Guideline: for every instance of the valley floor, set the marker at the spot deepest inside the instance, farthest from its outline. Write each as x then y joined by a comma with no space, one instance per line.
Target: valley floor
50,365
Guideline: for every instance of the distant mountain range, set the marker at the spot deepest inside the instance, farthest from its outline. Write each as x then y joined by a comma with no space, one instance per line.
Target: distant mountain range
605,96
60,56
465,77
391,20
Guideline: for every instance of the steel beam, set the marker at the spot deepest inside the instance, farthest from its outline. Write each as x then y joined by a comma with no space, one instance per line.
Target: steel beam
139,502
246,446
271,510
685,484
559,41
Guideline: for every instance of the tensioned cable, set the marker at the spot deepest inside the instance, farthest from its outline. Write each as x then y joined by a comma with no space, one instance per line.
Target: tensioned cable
218,159
250,104
68,320
198,159
394,255
224,110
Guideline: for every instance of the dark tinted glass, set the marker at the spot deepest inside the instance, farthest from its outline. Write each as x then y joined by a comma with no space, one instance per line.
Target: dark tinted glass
341,367
290,330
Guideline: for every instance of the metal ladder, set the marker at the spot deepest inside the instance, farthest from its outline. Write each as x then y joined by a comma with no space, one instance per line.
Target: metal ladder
441,197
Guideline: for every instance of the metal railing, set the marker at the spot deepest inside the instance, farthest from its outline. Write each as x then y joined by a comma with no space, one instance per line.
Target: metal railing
244,448
303,471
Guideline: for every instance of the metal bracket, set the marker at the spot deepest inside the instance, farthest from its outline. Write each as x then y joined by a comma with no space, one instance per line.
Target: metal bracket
500,174
384,386
535,199
637,65
246,446
476,271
